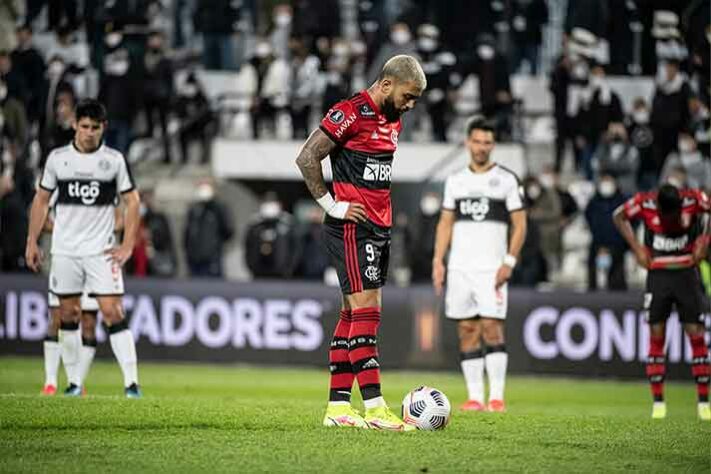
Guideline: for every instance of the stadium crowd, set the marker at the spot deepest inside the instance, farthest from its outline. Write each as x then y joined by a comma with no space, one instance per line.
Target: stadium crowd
293,60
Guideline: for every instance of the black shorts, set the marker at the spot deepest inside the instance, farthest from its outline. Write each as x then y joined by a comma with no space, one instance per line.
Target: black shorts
680,288
359,252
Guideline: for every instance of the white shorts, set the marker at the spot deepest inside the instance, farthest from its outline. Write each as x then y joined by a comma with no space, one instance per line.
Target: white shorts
87,302
97,275
473,294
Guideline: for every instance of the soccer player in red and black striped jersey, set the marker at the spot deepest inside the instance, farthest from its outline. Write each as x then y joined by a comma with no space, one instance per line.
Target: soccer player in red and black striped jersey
676,237
360,134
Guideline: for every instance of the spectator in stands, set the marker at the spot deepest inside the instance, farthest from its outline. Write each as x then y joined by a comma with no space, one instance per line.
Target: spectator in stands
162,260
13,79
641,137
158,88
603,108
29,64
528,17
617,157
591,15
532,268
337,75
670,111
11,11
59,12
624,32
439,66
60,130
217,20
400,42
606,269
57,83
422,237
313,260
546,212
197,121
15,127
208,227
282,16
689,158
700,125
316,19
304,87
74,54
119,91
271,241
549,180
273,96
19,187
696,36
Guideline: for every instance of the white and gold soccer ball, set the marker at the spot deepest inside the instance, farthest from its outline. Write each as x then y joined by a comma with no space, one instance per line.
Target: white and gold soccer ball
426,408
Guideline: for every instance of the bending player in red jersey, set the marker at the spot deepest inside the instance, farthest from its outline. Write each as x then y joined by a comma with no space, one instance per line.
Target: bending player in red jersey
360,134
676,235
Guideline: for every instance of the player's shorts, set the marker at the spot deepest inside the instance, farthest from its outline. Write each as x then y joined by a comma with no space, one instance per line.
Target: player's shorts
96,275
87,302
680,288
360,254
473,294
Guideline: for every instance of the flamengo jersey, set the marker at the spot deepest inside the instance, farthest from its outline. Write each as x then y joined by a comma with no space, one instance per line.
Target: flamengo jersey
482,203
670,245
362,162
87,185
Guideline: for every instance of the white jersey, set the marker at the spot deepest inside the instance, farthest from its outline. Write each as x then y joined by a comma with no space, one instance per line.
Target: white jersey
482,203
87,186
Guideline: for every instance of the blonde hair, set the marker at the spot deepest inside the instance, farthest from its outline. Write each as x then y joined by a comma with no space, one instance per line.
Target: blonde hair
404,68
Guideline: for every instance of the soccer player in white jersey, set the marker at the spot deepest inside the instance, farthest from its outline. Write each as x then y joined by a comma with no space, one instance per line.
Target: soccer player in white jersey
88,176
479,204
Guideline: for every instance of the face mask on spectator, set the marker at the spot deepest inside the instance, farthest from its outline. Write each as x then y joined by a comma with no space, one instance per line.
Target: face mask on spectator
3,92
263,50
205,192
358,48
116,67
55,69
400,36
340,50
597,82
607,188
641,116
113,39
485,52
270,209
427,44
617,149
189,90
282,19
533,191
547,180
685,145
429,205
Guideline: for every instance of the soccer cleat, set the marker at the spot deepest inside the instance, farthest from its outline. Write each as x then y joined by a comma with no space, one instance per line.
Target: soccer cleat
704,411
49,390
133,391
343,415
73,390
659,410
473,405
496,406
381,418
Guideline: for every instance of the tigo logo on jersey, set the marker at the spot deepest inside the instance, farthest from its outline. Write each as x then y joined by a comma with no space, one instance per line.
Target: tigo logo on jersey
87,192
377,172
477,209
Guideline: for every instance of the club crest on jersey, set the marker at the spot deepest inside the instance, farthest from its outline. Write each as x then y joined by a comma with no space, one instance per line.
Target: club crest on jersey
493,182
87,192
477,209
377,172
372,273
104,165
393,137
336,116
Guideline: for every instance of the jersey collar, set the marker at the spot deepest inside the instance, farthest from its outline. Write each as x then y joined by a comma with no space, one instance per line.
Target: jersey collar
478,173
370,101
74,147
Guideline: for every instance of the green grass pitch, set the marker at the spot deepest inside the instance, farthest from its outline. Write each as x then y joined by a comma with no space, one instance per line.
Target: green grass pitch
205,418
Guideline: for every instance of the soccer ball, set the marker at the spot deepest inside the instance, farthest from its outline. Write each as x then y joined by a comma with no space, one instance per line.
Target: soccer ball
426,408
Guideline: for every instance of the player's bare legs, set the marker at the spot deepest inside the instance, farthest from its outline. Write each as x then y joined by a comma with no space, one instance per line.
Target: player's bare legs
70,341
122,342
656,368
700,368
88,343
472,362
52,352
495,360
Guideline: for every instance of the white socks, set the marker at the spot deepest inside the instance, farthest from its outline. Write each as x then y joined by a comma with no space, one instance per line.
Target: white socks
125,351
70,342
473,369
374,403
496,361
52,354
86,357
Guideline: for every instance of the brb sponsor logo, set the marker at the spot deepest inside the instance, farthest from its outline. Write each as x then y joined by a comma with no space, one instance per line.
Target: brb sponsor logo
669,244
477,209
579,334
87,192
171,320
377,171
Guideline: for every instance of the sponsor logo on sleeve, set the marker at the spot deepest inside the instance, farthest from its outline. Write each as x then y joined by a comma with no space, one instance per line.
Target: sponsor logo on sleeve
336,116
345,123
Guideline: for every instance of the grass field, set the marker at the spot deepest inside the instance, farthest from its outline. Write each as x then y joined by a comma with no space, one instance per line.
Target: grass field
198,418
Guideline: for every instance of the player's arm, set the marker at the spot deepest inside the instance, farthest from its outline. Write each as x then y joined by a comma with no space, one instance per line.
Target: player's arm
443,237
38,216
701,245
622,222
132,203
48,225
118,219
316,148
518,236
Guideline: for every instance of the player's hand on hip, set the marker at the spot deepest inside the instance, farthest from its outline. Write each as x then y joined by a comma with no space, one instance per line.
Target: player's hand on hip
438,276
120,254
700,252
642,257
33,256
502,275
356,212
